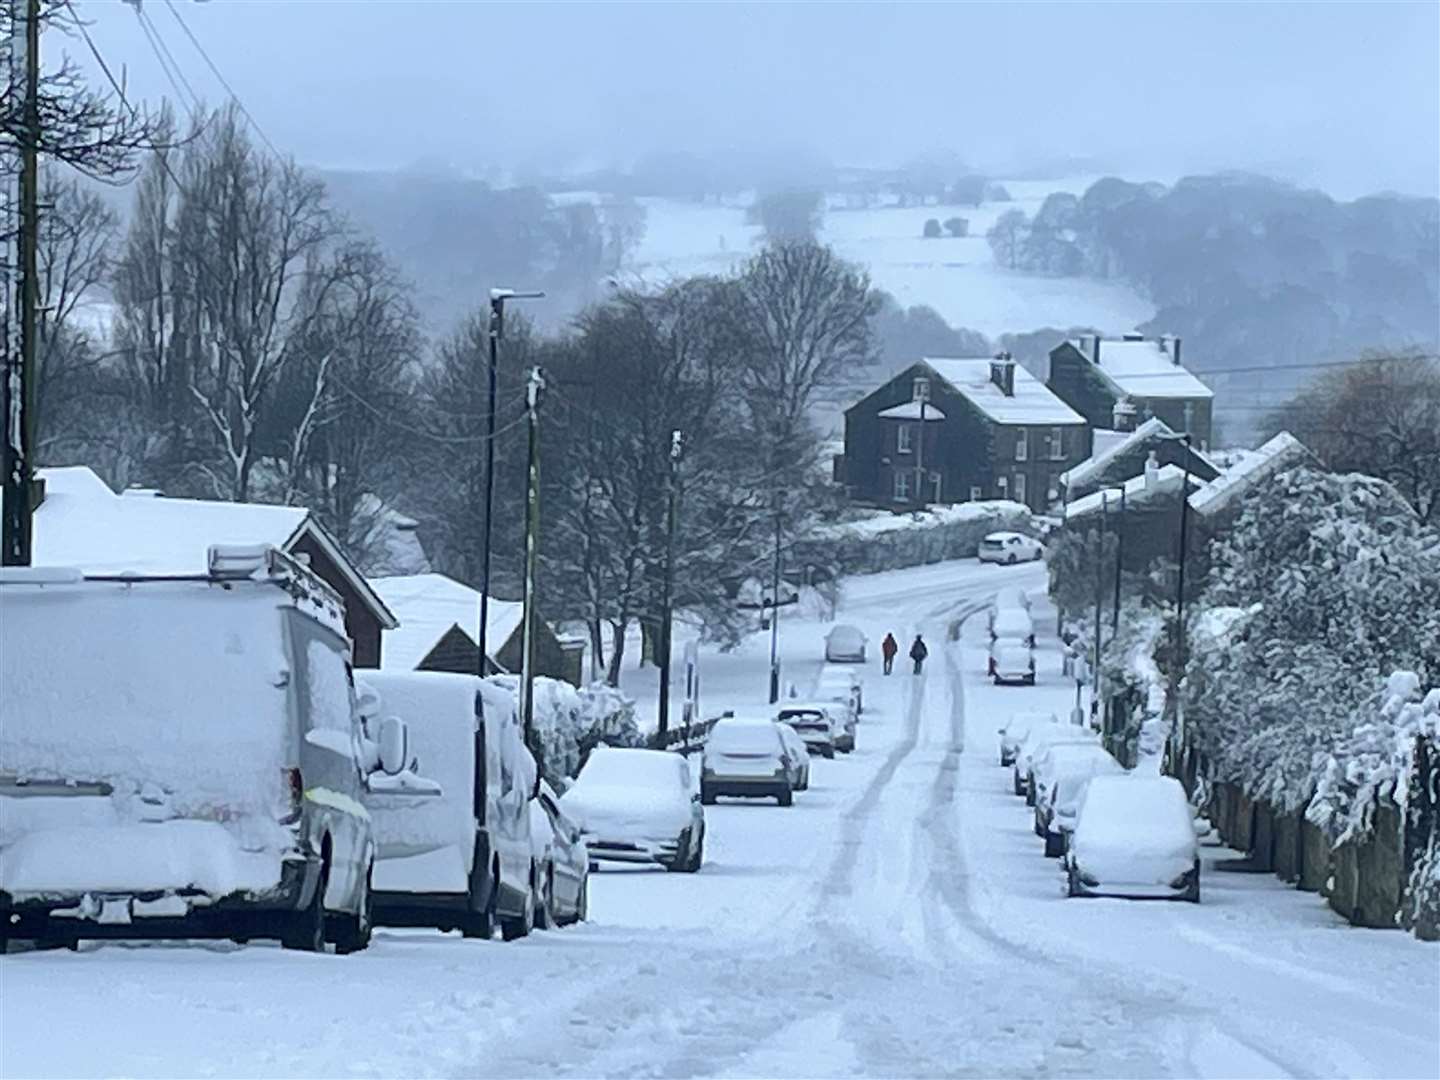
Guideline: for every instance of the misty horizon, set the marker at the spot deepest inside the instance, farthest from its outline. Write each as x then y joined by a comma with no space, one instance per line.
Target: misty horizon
1146,92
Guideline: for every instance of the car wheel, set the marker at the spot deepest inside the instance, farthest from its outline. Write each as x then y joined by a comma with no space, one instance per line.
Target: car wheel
828,753
785,798
1011,560
354,933
707,797
545,909
1054,845
1016,783
305,930
1192,894
1029,794
481,923
582,902
698,856
518,927
1072,882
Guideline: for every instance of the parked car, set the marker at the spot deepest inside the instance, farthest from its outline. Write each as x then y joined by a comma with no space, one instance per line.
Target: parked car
1135,838
1065,797
1012,624
845,644
638,806
747,757
1010,597
819,723
1064,760
841,682
1015,731
841,704
183,757
564,863
1012,661
1010,548
799,757
464,861
1036,740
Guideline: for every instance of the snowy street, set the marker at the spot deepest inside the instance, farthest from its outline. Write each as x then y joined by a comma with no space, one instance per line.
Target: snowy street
899,920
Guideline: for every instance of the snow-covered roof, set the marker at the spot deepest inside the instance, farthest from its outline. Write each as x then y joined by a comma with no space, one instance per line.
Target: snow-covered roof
910,410
1097,461
1279,453
1032,403
1144,368
1167,478
82,523
429,607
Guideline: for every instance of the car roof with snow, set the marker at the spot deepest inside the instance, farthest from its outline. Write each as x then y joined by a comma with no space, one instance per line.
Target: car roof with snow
1004,536
805,706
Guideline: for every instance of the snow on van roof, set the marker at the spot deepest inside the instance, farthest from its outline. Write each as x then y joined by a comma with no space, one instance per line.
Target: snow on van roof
429,606
1032,402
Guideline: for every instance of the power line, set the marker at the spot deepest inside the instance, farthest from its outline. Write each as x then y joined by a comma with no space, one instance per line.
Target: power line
1317,365
168,63
223,82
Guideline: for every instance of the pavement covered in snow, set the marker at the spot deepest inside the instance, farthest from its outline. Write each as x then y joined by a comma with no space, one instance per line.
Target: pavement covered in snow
899,920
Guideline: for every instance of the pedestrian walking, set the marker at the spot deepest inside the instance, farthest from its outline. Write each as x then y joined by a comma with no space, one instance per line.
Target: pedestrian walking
888,648
918,652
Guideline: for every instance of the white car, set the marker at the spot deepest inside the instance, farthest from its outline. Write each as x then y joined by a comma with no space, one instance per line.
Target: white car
747,757
1016,730
1036,740
1010,548
1059,761
841,683
1010,597
845,644
564,893
820,723
1135,838
1012,661
638,806
1065,797
1012,624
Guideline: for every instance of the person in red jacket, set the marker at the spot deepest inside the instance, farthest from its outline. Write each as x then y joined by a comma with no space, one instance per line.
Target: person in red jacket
888,648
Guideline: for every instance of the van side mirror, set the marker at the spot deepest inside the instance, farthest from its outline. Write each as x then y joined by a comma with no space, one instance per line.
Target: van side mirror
394,745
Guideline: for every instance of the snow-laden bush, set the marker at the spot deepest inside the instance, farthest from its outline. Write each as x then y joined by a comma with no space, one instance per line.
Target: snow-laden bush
888,541
570,722
1339,584
1132,679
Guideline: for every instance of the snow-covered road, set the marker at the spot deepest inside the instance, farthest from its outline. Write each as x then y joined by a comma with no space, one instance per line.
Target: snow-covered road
899,920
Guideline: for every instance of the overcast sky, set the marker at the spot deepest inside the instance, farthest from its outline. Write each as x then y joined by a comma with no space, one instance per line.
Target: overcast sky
1344,97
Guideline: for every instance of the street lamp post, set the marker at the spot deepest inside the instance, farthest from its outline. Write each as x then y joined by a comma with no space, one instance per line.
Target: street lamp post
775,617
533,390
497,329
677,445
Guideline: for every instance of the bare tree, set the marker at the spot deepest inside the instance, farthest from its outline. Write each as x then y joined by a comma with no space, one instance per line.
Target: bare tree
1379,416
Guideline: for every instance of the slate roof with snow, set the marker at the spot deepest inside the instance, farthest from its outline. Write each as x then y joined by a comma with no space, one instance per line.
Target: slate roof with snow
1032,403
429,607
1167,478
1279,453
1113,449
1143,369
910,410
83,524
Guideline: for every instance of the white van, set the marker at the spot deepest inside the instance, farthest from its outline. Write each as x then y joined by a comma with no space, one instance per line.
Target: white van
465,860
182,757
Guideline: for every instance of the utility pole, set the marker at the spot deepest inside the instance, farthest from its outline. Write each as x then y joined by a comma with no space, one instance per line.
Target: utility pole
497,329
1179,672
677,444
18,398
1099,597
533,390
1119,563
775,616
920,457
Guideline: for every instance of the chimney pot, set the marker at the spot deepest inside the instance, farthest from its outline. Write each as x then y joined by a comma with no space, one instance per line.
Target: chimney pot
1123,415
1152,470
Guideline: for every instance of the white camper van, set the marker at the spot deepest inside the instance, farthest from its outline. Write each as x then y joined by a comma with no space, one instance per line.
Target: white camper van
182,757
464,860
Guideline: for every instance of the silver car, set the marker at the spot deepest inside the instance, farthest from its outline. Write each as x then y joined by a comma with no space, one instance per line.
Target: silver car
747,757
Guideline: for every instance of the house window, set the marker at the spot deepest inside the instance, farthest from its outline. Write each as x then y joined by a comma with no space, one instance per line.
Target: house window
1057,444
1019,495
1022,445
920,389
902,485
1002,487
976,493
903,435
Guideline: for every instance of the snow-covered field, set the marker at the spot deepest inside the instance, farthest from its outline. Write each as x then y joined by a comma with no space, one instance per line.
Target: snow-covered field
899,920
957,277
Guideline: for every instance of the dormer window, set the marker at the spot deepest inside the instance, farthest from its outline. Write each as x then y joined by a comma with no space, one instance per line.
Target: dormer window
920,389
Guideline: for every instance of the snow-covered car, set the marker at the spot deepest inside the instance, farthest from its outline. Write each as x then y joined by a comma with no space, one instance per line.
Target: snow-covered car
183,757
799,757
841,704
1015,731
820,723
1064,760
1036,741
1012,662
1009,548
1065,796
638,806
564,862
837,682
747,757
465,860
1010,597
1012,624
1135,838
845,644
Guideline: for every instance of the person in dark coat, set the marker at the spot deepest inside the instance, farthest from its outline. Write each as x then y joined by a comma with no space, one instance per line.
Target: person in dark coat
888,648
918,652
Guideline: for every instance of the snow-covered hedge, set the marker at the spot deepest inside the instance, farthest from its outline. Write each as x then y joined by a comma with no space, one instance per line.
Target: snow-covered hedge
1131,677
886,541
570,722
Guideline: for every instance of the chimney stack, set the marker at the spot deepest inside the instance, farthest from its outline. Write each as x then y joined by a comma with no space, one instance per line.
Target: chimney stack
1002,373
1123,415
1175,350
1152,471
1096,356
